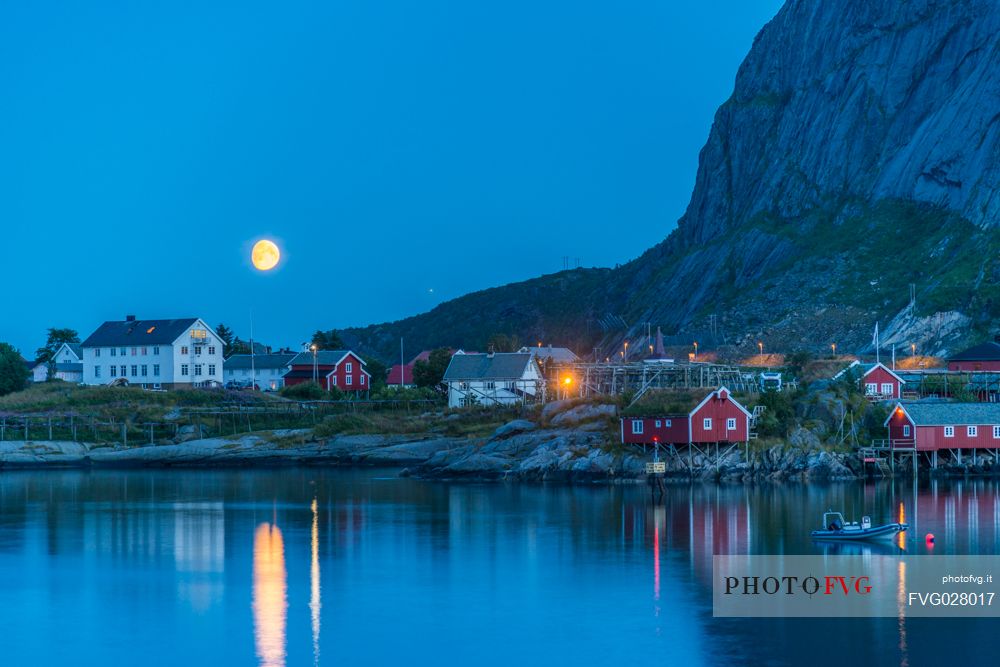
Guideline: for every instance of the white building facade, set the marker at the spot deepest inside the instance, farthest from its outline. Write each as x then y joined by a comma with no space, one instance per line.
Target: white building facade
266,371
154,354
67,365
503,378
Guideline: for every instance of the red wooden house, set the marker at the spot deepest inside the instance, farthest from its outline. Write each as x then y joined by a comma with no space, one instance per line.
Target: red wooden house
340,369
934,425
982,357
880,383
718,418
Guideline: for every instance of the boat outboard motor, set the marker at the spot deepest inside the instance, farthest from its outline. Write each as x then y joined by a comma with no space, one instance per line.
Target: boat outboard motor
836,525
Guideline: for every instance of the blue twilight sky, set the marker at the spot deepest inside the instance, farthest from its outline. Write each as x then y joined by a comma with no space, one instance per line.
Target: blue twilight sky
402,153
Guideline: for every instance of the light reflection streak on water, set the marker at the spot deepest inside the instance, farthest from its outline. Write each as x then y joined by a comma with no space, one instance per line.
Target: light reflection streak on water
314,595
270,595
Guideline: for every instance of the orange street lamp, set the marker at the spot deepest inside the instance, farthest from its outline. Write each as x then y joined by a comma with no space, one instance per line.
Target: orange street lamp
913,349
760,346
833,349
696,348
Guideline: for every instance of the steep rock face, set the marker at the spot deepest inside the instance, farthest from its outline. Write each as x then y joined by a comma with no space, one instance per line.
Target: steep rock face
858,155
876,99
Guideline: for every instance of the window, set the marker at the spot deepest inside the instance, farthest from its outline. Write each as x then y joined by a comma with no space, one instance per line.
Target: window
972,431
730,424
97,352
123,370
489,385
197,349
637,426
124,351
350,379
871,388
348,367
667,423
199,333
707,423
114,371
211,369
156,351
184,369
362,380
465,385
114,351
144,351
659,423
906,430
184,349
135,351
135,370
949,431
996,432
887,389
144,368
97,371
197,369
211,349
156,370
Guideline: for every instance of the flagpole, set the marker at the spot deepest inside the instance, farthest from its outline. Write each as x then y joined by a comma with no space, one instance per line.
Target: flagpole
253,369
878,359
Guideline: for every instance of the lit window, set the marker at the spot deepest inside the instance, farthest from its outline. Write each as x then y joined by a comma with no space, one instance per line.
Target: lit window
730,424
637,426
949,431
199,333
707,423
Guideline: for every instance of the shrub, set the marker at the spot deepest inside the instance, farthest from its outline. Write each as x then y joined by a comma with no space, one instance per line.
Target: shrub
307,391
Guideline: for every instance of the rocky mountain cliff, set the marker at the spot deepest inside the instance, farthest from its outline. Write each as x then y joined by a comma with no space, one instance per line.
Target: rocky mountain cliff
859,155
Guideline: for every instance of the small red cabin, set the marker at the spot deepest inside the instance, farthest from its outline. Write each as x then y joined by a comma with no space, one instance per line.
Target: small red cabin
937,425
340,369
983,357
718,418
880,383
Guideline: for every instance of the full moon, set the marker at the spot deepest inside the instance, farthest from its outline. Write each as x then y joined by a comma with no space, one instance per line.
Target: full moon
265,255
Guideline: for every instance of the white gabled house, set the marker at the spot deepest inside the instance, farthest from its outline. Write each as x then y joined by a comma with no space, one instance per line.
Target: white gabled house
501,378
265,370
67,365
157,354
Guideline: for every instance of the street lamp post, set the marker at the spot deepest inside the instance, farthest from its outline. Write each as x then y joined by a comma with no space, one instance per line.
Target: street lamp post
315,367
833,349
913,349
760,346
695,350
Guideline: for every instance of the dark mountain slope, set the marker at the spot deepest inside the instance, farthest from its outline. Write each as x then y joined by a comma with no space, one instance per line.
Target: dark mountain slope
858,154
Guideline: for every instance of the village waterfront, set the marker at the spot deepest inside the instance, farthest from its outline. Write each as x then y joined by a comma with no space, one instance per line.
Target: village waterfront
321,566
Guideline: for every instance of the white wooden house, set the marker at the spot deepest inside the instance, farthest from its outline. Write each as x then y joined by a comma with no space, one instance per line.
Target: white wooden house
67,365
157,354
502,378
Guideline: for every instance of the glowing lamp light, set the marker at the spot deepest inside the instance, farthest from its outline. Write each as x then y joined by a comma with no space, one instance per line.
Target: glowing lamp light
930,538
567,381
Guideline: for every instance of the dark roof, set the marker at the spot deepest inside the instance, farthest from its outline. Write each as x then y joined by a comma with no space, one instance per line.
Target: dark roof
242,361
138,332
323,358
983,352
940,413
499,366
549,353
304,373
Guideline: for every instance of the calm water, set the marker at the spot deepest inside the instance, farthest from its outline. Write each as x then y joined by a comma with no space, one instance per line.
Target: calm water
329,567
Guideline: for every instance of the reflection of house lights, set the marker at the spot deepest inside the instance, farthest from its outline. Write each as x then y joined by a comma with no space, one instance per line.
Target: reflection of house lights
314,596
270,600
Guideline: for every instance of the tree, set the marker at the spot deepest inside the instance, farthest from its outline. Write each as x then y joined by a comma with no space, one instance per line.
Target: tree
378,372
503,343
327,340
430,373
228,337
56,337
13,371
